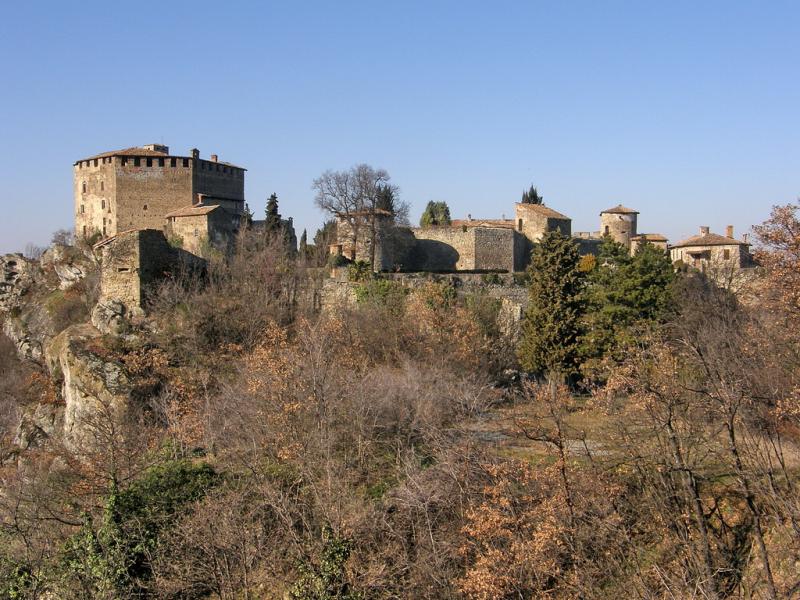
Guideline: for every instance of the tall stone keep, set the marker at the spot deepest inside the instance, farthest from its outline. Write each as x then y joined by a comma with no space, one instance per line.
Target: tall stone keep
620,223
137,187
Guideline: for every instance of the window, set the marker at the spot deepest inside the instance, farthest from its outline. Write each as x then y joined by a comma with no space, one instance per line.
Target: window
519,225
102,185
83,187
149,162
606,230
84,231
144,207
124,160
196,233
102,203
726,254
160,162
82,209
185,162
173,162
137,161
95,162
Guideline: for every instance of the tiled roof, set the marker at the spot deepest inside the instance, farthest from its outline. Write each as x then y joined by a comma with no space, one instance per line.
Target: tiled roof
709,239
543,210
650,237
193,211
140,151
135,151
620,210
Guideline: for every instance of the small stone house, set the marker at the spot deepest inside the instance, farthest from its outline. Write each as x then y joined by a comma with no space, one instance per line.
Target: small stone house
712,250
202,227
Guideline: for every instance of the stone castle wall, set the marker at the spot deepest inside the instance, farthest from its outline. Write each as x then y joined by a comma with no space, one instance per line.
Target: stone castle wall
118,193
145,194
442,249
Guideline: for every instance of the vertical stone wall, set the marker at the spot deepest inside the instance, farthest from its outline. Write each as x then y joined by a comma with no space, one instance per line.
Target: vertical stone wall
443,249
494,249
217,179
620,226
192,230
146,193
94,190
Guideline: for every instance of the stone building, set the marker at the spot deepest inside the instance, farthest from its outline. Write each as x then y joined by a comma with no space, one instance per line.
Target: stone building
463,245
711,250
137,187
619,222
134,261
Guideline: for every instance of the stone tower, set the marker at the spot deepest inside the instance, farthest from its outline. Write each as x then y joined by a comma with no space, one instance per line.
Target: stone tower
620,223
137,187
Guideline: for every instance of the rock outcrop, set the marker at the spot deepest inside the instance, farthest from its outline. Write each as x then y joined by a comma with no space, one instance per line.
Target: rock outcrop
95,390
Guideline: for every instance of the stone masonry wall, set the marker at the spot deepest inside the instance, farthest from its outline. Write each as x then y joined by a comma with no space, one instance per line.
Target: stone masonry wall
145,194
494,249
94,207
443,249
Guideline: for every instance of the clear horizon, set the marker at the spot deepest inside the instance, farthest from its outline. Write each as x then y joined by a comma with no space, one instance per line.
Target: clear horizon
685,112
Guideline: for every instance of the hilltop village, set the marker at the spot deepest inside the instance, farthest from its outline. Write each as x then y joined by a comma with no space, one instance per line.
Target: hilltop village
193,405
198,203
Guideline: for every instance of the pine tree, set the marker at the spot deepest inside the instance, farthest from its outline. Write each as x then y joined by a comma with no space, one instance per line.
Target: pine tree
531,196
386,198
304,244
625,295
247,216
551,325
272,222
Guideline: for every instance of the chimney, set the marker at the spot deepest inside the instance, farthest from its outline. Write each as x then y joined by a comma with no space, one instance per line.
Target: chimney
729,231
214,158
195,153
704,230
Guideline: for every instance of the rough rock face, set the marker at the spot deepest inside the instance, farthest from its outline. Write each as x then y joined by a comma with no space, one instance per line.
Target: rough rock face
17,276
28,347
38,424
95,391
68,274
109,316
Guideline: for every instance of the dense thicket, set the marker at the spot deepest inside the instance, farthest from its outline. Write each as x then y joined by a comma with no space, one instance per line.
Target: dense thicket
383,450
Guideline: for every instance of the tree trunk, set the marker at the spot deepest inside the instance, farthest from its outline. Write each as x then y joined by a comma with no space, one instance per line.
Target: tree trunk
690,489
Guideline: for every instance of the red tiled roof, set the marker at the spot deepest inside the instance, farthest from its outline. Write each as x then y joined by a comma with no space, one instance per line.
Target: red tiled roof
650,237
140,151
620,210
709,239
543,210
193,211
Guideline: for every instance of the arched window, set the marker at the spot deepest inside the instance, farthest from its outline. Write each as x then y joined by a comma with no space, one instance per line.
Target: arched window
519,225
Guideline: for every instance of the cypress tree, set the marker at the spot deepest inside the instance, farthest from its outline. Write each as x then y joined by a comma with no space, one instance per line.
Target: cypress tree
551,325
273,217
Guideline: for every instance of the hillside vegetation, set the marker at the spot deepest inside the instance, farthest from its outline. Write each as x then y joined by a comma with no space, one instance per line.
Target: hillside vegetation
637,437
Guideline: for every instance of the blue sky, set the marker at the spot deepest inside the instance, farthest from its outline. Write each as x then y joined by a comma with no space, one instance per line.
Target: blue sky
686,111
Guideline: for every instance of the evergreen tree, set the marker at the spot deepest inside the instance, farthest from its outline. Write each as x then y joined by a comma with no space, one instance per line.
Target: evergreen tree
436,213
625,295
531,196
386,198
272,222
551,325
247,216
304,243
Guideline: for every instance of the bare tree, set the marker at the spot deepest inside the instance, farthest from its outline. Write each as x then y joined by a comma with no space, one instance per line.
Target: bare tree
353,196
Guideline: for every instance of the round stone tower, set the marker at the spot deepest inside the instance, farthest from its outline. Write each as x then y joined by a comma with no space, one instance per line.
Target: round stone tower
620,223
